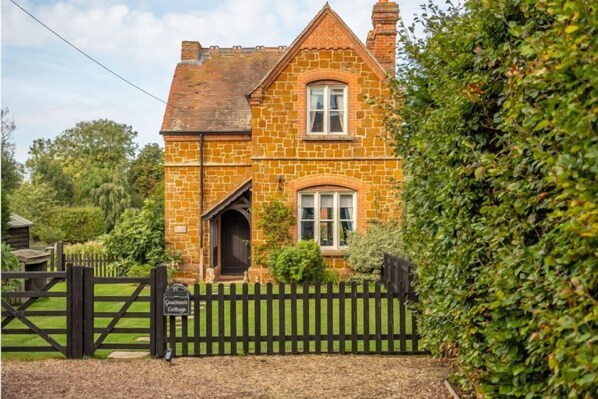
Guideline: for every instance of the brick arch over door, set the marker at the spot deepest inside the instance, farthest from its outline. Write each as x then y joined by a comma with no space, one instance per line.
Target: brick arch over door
306,78
361,189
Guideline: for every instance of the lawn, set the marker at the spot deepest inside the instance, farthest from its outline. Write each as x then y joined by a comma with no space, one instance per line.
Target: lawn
124,289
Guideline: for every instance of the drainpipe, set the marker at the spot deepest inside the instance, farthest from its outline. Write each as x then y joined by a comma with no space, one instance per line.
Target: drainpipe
201,202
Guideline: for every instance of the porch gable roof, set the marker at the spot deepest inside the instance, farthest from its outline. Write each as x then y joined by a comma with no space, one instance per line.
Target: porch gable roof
227,200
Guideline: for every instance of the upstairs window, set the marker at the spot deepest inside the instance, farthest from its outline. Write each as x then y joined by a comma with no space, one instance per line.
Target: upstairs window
327,108
326,217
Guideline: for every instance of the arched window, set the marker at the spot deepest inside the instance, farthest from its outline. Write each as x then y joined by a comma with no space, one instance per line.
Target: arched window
326,216
326,108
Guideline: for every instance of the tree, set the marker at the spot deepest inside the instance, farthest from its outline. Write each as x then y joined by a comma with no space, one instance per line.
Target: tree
45,167
36,202
12,173
146,172
88,155
5,213
495,119
113,198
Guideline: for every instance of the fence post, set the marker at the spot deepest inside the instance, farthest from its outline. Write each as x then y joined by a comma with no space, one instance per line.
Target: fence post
74,312
157,319
88,309
59,256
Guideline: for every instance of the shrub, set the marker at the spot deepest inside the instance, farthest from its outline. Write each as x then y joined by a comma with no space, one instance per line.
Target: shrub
79,224
497,128
10,263
299,263
139,236
140,271
365,252
86,248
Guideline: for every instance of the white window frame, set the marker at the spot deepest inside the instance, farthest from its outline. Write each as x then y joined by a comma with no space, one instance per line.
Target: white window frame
336,215
327,88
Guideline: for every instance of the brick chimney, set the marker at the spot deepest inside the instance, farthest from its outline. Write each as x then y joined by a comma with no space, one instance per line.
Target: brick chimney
190,51
382,40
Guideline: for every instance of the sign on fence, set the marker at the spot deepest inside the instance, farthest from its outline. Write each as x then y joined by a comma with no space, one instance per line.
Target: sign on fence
176,301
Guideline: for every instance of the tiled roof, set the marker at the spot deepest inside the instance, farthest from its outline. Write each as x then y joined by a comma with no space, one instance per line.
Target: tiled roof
209,95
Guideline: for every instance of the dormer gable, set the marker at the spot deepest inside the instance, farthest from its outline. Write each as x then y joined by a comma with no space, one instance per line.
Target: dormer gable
327,31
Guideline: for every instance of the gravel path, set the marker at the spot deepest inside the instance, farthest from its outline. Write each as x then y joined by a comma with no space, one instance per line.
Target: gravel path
320,376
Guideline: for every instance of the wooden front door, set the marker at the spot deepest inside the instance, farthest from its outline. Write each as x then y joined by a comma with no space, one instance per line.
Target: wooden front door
235,238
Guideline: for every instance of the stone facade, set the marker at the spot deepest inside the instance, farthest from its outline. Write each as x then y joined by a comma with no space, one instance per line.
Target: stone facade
277,154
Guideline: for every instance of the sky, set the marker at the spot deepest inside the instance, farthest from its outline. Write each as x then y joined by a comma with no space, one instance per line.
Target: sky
49,87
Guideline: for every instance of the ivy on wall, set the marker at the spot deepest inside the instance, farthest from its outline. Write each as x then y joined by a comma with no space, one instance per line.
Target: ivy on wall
495,115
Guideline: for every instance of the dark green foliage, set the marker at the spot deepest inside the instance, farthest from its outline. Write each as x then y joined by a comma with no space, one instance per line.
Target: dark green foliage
275,220
299,263
12,171
496,122
139,235
78,224
146,172
5,213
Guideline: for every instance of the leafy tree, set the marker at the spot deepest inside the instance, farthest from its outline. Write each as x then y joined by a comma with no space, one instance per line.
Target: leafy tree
36,202
88,154
12,173
5,213
496,121
113,198
146,172
45,167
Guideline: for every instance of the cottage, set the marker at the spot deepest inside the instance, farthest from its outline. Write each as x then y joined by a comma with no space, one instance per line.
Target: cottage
242,124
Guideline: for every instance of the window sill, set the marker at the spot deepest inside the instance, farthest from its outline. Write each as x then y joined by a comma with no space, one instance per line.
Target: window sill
332,252
328,137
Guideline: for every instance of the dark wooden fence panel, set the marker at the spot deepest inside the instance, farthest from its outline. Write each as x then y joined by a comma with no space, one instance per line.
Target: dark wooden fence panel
272,319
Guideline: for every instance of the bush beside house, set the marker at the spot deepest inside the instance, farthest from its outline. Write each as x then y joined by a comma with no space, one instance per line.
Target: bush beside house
497,125
365,252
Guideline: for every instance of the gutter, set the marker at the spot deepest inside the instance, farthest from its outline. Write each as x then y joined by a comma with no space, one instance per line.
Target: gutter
201,204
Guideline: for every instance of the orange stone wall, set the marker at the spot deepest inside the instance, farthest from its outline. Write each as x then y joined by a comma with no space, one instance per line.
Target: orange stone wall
364,162
226,163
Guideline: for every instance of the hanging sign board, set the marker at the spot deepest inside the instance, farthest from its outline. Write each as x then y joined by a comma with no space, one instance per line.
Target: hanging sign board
176,301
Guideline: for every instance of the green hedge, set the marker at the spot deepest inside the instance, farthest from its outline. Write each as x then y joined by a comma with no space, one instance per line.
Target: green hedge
497,125
79,224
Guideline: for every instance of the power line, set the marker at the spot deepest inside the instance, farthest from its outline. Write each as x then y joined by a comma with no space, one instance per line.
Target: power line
88,56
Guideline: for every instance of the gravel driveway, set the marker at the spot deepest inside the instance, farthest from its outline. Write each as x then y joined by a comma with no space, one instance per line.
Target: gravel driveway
321,376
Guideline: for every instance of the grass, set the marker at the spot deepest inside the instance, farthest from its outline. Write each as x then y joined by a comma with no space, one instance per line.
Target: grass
125,289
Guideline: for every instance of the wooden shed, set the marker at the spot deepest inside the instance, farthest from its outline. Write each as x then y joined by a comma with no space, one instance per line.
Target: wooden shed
17,235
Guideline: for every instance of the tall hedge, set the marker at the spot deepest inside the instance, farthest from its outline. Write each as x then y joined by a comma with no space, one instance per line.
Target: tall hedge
496,118
79,224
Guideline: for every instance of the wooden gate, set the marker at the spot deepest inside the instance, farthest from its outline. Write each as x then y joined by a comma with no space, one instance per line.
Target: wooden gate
83,332
18,315
95,337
